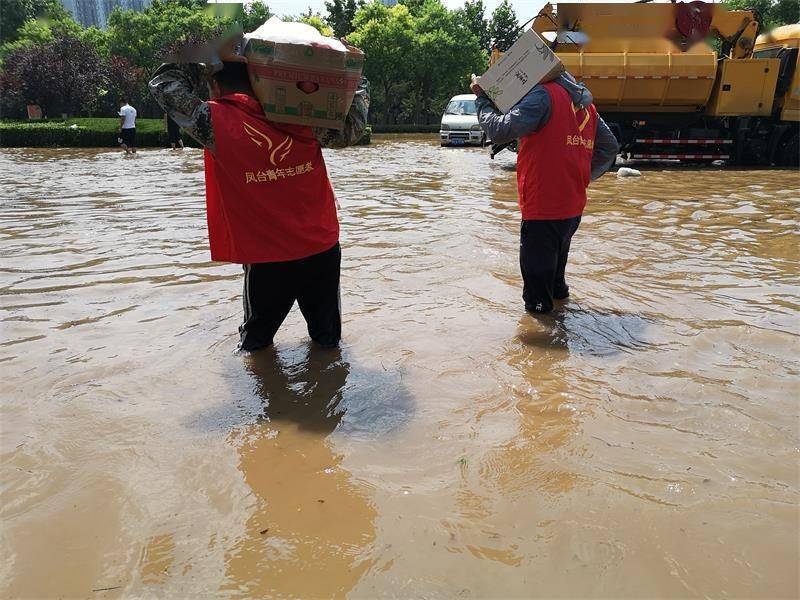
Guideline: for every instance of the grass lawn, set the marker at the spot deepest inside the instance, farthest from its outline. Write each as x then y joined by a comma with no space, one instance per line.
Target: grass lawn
111,124
88,132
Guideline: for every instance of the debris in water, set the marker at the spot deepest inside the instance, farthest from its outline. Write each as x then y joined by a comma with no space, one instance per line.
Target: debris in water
628,172
263,531
116,587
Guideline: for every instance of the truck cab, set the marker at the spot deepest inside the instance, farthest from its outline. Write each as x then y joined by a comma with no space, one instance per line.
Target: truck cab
783,43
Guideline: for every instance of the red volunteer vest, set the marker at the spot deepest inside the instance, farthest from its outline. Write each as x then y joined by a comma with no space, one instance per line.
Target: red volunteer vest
268,197
554,164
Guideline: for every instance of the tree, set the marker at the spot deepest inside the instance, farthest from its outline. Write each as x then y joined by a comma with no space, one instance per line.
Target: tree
141,37
772,13
97,39
386,36
504,26
14,13
414,6
341,14
40,31
444,54
123,80
255,15
786,11
65,75
474,16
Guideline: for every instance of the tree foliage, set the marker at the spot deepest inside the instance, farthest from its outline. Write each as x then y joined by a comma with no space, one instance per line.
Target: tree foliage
123,80
416,62
414,6
418,53
771,12
14,13
140,37
504,26
385,35
64,75
474,17
340,15
254,15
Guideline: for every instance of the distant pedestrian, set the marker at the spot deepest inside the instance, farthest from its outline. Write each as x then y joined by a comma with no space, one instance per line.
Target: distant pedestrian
173,132
127,127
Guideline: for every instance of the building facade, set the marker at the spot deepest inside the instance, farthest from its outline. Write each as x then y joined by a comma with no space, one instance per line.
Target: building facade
95,13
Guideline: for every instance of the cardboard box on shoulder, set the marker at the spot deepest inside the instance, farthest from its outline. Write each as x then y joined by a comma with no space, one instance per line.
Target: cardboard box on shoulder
305,81
529,61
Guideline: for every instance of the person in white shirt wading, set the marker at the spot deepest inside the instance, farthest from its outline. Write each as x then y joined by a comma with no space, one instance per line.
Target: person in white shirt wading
127,127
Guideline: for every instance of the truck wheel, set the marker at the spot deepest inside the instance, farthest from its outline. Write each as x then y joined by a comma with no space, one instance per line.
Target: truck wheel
790,152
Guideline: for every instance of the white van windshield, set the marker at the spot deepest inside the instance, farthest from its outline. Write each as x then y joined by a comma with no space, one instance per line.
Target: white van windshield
461,107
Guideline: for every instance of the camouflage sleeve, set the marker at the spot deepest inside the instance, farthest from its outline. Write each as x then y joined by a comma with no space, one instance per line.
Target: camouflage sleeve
354,124
178,88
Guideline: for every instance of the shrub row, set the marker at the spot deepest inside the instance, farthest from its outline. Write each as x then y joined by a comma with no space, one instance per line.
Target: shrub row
405,128
90,133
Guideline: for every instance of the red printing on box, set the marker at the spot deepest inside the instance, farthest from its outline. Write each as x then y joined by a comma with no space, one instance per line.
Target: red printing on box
293,75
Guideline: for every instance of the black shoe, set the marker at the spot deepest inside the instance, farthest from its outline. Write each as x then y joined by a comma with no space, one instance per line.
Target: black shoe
536,310
562,294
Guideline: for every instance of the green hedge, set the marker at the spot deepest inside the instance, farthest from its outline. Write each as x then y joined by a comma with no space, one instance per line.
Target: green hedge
91,133
405,128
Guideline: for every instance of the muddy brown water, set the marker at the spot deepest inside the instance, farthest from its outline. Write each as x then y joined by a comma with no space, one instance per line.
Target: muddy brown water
642,443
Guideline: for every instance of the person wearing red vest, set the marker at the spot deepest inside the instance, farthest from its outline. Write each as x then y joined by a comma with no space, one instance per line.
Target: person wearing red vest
270,205
563,145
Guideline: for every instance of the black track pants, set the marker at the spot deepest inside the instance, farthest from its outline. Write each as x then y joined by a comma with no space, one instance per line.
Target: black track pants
270,291
543,253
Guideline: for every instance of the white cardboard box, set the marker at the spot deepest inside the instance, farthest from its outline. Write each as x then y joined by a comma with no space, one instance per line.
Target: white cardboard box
525,64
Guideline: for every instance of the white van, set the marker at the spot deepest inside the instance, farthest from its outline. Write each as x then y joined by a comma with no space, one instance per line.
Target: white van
460,123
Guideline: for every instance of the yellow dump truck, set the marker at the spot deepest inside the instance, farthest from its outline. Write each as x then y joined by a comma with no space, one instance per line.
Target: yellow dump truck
669,91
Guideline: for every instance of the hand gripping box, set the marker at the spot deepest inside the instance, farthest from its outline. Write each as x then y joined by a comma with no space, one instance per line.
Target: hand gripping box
301,77
529,61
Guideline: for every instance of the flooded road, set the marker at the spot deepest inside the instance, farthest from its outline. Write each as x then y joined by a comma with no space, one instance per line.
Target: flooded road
643,442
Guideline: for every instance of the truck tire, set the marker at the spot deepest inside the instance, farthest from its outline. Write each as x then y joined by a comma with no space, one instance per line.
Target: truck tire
790,151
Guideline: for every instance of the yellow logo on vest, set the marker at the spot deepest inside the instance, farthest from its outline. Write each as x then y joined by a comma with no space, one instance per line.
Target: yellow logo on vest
275,154
579,140
586,118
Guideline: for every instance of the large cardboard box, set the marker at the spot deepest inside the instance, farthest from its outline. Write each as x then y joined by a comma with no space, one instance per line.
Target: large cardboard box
528,62
304,84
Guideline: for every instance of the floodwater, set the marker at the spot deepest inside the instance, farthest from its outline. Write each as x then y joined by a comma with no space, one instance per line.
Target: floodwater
641,443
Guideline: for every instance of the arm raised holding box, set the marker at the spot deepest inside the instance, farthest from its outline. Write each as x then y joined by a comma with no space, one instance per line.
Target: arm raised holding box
529,115
532,113
178,88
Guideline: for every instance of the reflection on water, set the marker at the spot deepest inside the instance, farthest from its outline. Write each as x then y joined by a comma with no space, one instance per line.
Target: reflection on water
641,442
305,509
